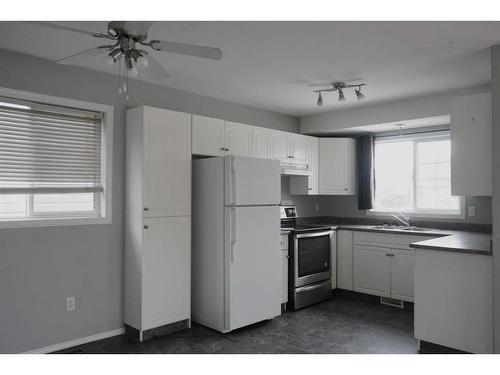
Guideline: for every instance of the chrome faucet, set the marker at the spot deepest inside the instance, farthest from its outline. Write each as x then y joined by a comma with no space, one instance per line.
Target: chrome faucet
402,219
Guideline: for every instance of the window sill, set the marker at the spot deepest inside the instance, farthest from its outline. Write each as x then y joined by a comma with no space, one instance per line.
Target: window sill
52,222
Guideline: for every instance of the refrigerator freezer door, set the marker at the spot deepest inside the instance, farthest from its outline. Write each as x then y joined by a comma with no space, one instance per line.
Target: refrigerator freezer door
252,181
253,263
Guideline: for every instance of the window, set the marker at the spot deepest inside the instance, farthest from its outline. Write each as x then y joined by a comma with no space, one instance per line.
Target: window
412,174
53,161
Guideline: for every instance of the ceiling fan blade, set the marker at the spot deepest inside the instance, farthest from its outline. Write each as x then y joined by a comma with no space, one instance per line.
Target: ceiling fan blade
188,49
69,28
83,56
154,69
137,27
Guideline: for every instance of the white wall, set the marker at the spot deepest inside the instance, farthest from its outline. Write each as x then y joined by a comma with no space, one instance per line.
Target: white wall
40,267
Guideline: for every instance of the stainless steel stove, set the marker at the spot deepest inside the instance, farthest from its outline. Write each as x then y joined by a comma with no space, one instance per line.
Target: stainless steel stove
310,263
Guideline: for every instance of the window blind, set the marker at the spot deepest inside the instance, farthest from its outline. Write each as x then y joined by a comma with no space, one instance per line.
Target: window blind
49,149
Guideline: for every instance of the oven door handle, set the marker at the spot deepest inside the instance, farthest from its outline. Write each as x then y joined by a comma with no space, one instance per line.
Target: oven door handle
314,234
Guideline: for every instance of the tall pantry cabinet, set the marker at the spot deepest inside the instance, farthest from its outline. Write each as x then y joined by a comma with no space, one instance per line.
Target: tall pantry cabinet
158,221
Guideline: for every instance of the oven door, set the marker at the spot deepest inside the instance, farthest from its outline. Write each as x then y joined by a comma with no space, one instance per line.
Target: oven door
312,261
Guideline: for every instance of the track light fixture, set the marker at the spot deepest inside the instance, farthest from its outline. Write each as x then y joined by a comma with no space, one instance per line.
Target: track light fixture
341,95
320,100
358,93
340,86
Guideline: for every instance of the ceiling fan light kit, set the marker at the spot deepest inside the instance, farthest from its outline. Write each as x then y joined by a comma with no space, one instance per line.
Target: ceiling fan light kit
129,50
340,87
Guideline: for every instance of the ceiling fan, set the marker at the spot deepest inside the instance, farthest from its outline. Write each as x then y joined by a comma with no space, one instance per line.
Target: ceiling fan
128,44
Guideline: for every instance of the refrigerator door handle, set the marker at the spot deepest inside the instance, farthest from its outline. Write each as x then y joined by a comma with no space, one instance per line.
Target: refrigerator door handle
233,182
232,220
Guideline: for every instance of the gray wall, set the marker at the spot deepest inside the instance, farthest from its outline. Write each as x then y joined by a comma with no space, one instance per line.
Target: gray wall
495,98
401,110
40,267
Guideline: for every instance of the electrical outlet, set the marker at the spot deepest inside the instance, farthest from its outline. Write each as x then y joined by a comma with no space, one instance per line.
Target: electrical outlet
472,211
70,304
316,207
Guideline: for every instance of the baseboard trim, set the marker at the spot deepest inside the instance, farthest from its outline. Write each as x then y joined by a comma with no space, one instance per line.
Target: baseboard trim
75,342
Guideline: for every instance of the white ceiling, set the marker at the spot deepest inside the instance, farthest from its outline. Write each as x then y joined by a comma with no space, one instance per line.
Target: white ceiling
272,65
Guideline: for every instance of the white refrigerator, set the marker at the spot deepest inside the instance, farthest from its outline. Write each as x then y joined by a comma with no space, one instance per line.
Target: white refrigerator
236,261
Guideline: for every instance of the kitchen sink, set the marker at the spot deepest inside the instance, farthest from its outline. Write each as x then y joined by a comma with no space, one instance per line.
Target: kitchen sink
401,227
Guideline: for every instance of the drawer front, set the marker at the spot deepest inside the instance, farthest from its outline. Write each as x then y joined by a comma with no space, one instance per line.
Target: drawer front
284,242
399,241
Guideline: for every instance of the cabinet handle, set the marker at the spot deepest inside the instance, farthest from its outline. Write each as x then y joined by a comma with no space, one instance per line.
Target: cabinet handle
146,226
345,189
146,208
227,149
309,188
223,149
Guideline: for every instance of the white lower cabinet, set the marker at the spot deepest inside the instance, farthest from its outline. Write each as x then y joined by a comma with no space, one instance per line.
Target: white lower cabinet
333,260
371,270
284,283
402,274
380,264
166,281
284,268
344,259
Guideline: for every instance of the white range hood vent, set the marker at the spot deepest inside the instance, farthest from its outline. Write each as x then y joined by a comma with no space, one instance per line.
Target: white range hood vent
295,170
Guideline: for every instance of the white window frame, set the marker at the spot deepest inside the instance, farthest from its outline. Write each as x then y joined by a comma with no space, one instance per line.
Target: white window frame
70,218
420,213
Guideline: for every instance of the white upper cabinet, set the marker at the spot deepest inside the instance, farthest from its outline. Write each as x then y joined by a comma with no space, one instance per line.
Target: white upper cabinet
214,137
238,139
290,147
337,166
280,145
299,149
307,185
208,136
261,142
166,162
471,145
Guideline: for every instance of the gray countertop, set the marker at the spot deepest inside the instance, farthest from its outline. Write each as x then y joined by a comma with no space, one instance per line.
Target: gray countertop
445,240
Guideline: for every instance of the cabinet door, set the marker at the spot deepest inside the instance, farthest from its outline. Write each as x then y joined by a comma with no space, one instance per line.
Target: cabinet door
299,149
471,146
337,166
284,280
333,257
344,259
208,136
238,139
166,275
166,163
313,165
371,270
261,144
280,146
402,274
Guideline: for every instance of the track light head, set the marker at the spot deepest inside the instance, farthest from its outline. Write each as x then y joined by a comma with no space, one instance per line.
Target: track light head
341,95
358,93
320,100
